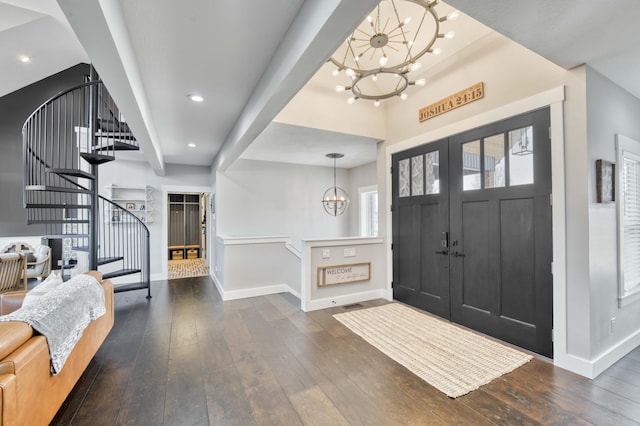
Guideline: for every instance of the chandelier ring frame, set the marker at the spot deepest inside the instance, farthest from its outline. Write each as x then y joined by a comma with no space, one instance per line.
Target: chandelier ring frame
428,6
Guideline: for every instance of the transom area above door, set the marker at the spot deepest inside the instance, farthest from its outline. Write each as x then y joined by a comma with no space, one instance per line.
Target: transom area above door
496,161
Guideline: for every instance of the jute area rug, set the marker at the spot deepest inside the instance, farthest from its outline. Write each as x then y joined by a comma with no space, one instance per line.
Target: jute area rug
187,268
453,360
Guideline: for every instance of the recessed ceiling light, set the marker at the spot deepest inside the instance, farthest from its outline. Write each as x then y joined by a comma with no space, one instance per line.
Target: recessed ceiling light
196,98
24,58
191,145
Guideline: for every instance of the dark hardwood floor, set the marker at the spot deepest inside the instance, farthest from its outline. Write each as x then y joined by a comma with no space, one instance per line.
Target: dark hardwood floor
187,358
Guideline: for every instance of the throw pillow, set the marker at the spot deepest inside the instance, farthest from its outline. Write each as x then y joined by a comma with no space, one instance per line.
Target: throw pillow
53,280
31,258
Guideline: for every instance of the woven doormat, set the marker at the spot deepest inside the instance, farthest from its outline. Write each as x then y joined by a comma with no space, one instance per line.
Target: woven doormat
187,268
453,360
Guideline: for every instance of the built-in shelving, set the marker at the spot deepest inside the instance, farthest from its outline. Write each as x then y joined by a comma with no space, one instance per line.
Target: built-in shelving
135,199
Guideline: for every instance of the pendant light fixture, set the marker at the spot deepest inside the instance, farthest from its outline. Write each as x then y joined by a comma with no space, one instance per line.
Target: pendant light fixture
335,200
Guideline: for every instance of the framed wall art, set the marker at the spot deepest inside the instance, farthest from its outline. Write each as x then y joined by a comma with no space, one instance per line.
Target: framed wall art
605,181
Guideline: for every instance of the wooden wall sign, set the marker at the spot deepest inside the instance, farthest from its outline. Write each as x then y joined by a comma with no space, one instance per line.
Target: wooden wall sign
454,101
343,274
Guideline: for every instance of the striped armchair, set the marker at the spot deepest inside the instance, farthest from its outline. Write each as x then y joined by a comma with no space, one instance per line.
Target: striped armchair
12,269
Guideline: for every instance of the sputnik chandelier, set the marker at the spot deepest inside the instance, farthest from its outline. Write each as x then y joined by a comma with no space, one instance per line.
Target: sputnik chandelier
335,199
379,55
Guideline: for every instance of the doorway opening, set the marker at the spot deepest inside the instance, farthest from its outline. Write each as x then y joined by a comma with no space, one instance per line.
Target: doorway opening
472,229
187,234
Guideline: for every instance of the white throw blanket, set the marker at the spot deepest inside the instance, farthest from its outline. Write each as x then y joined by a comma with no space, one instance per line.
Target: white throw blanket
62,314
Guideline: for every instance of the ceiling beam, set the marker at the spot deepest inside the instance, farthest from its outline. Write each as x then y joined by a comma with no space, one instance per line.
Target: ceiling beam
317,31
101,29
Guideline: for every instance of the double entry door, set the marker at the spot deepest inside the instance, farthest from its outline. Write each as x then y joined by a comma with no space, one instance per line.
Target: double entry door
472,229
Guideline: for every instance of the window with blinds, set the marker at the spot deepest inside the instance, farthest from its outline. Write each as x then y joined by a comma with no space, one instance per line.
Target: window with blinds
628,175
369,211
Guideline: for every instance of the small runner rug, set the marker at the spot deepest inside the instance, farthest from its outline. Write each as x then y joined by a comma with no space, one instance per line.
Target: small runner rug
453,360
187,268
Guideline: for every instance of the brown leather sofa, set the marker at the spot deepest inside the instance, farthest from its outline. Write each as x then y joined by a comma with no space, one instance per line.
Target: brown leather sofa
29,394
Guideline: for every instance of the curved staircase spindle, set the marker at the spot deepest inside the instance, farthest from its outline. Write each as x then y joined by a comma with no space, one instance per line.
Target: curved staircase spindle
65,140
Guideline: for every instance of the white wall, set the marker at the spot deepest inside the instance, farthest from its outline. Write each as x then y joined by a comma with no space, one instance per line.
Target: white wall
577,232
318,106
320,253
362,176
610,110
260,198
249,267
123,172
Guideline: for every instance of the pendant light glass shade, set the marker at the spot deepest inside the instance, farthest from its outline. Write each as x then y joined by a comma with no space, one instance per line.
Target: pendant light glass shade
335,200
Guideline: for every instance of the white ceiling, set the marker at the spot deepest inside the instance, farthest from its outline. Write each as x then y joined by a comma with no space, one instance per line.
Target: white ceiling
285,143
39,30
569,33
248,59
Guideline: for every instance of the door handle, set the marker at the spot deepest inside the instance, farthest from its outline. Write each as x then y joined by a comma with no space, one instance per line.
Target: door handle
457,254
442,252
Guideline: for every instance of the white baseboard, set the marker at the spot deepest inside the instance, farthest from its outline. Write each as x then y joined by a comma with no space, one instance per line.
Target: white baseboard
255,291
388,294
159,277
615,353
347,299
252,292
217,283
574,364
592,368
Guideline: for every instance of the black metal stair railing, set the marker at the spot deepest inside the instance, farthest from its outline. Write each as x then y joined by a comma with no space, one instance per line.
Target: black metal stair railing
124,244
64,142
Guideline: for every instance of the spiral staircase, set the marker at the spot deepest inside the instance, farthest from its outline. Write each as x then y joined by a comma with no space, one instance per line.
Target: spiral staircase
65,140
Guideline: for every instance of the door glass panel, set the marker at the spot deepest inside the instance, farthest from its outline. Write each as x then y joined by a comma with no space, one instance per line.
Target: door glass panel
471,166
432,172
494,161
404,181
521,156
417,175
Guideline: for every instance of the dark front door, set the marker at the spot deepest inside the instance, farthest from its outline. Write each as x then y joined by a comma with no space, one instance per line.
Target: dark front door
478,251
421,228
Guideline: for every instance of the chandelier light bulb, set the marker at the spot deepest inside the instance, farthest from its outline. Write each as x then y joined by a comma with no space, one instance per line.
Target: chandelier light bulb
450,35
437,51
453,15
340,89
351,100
403,96
387,45
421,82
336,72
